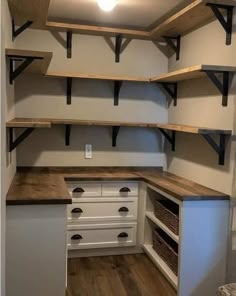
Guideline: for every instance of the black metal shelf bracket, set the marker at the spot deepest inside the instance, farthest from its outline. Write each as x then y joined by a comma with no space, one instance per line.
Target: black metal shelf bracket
26,61
223,86
117,87
115,131
68,90
172,89
67,134
174,43
226,24
69,44
119,39
170,137
218,148
14,143
16,32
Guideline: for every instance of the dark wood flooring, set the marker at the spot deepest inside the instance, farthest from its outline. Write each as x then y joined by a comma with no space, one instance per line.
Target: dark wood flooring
126,275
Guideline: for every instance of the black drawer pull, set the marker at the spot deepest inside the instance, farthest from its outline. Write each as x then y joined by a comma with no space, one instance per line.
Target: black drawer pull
77,211
123,209
78,190
76,237
125,189
122,235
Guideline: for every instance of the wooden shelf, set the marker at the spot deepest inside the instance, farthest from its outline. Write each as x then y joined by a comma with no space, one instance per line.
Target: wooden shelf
160,263
29,122
96,76
193,129
34,10
98,30
39,66
187,19
153,218
181,22
206,133
191,73
41,122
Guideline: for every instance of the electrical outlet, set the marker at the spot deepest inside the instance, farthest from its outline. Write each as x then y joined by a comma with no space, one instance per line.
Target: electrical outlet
88,151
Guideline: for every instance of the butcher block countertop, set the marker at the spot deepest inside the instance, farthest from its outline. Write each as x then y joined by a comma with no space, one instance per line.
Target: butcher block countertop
47,185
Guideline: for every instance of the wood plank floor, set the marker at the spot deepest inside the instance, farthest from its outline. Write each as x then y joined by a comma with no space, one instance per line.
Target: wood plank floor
126,275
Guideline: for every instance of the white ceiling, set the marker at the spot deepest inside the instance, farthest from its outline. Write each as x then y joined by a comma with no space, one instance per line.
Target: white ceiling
127,13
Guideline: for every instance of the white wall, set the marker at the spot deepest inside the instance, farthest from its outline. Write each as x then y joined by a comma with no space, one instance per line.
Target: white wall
46,97
7,111
199,104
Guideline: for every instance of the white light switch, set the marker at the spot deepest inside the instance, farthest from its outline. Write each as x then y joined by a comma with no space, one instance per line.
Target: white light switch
88,151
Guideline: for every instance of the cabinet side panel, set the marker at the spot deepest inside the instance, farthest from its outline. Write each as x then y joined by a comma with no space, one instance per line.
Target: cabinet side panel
36,250
203,249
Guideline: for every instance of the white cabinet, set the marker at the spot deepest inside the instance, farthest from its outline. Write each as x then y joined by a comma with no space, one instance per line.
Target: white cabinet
202,243
102,215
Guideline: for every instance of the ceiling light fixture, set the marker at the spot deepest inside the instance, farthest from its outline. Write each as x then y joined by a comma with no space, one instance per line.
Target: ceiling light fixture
107,5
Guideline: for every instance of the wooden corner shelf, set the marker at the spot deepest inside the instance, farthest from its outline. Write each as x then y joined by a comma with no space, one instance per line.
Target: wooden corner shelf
191,73
170,80
31,123
193,129
206,133
188,18
35,14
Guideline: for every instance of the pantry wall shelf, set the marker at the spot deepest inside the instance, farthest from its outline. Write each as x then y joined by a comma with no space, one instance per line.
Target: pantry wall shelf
168,130
117,80
212,71
27,61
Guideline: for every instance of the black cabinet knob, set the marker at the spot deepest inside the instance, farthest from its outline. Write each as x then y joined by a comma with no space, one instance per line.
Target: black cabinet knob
123,209
76,237
123,235
78,190
77,211
125,189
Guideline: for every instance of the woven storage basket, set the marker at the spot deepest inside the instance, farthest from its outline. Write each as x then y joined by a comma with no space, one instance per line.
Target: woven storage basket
166,248
168,213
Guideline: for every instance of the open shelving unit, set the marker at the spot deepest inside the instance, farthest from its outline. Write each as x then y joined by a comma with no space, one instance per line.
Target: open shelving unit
170,80
206,133
152,222
34,14
160,263
118,81
27,60
31,123
153,218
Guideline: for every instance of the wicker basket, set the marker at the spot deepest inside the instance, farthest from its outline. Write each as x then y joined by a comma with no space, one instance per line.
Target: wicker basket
166,248
168,213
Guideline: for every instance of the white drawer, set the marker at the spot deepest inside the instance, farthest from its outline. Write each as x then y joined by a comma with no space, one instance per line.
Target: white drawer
97,209
84,189
102,236
120,189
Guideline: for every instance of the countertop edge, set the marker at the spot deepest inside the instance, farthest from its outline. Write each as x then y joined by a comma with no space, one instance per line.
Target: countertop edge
63,197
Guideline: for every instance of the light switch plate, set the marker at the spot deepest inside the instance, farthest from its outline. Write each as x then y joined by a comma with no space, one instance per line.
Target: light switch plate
88,151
